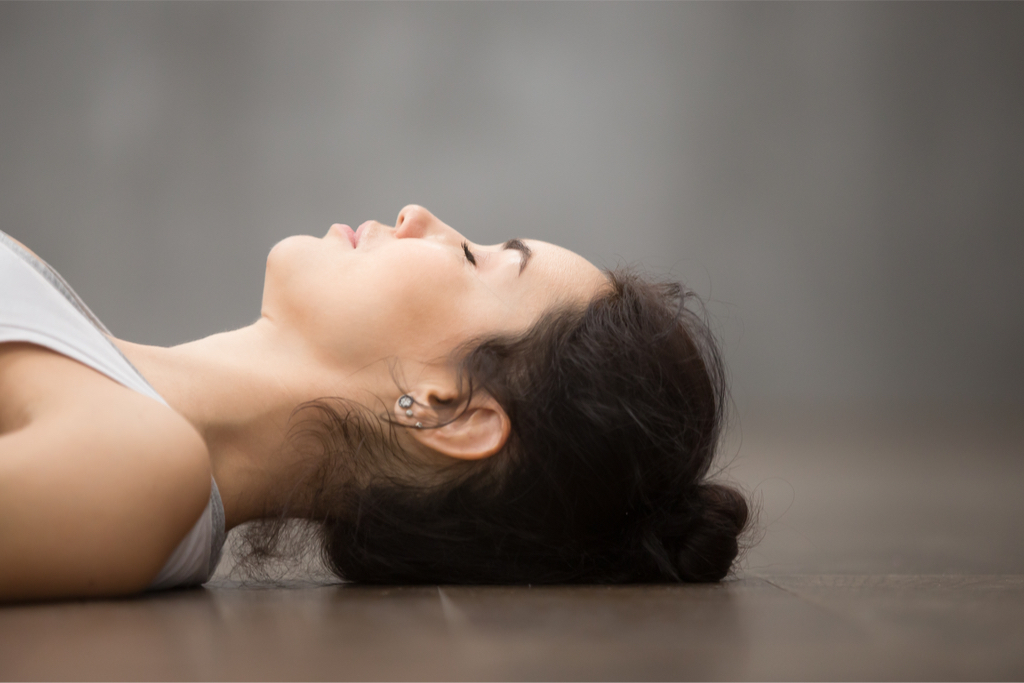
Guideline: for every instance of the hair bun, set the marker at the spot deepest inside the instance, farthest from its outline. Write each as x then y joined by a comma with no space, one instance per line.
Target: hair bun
705,552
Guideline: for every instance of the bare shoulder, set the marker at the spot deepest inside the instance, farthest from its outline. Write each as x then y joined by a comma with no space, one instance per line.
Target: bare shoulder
98,483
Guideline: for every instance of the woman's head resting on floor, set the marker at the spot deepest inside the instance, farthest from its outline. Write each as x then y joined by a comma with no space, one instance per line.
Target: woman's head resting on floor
398,301
563,419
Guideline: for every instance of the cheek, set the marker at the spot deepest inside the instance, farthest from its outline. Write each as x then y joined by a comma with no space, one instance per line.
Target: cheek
396,307
414,315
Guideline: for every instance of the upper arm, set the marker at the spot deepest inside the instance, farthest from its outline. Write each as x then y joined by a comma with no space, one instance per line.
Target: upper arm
98,485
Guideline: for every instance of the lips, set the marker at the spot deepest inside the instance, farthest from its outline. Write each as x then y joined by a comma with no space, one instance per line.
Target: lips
342,230
353,236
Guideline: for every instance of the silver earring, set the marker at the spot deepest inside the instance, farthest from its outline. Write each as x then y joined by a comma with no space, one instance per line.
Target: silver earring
419,425
405,401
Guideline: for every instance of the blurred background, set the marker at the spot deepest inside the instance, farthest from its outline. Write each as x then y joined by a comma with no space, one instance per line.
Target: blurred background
843,183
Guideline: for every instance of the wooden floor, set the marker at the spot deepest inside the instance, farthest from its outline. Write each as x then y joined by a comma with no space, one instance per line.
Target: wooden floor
891,549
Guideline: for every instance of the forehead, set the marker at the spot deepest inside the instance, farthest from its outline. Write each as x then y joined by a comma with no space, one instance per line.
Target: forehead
566,275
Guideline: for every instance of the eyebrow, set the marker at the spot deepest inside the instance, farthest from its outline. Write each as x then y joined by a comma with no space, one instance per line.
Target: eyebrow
524,252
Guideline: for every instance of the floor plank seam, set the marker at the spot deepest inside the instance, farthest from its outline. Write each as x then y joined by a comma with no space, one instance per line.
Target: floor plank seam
807,600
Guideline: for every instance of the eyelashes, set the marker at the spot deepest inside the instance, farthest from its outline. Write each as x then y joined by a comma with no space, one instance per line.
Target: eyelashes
469,254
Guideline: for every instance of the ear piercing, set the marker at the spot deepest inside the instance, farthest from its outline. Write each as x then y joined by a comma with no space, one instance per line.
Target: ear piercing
406,402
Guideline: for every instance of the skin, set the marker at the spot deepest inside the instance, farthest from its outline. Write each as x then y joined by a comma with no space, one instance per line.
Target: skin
345,315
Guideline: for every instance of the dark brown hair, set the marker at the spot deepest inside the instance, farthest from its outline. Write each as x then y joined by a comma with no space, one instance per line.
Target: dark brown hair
616,412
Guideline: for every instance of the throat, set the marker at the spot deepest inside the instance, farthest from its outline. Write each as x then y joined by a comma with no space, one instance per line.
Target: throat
235,389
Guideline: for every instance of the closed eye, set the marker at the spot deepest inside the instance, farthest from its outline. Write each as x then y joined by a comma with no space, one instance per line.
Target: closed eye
469,254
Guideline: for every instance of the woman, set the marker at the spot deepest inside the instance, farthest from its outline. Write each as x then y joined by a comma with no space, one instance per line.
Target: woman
441,411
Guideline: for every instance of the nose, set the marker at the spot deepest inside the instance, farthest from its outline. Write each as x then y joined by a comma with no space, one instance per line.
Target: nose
415,221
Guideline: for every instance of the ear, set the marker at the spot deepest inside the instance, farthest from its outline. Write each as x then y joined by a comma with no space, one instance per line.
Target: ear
478,432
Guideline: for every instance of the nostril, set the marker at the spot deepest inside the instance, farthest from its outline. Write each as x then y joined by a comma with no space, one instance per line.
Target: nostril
412,220
407,214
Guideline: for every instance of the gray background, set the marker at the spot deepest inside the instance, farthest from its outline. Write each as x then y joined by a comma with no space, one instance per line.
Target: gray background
843,182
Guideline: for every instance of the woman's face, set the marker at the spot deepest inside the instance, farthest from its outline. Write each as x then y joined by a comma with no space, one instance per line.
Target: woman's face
415,291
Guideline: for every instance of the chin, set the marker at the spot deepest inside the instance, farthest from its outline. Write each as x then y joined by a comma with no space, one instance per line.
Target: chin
290,249
288,259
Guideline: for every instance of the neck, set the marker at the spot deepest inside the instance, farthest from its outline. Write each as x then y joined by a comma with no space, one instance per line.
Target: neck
236,388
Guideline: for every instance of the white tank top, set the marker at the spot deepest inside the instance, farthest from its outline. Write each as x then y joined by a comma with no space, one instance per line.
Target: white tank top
38,307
